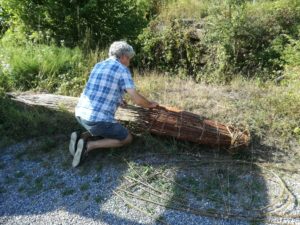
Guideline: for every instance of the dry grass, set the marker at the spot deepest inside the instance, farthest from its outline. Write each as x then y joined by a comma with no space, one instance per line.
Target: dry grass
269,111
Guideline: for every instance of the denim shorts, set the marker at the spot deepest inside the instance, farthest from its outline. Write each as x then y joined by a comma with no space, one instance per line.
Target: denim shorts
104,129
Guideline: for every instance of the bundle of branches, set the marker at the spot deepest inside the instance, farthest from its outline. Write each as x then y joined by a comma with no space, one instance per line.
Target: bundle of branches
182,125
162,121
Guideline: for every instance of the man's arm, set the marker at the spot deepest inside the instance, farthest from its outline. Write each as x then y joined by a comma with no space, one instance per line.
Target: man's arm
139,99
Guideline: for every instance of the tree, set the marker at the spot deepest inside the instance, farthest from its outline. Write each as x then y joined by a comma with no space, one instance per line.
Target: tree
73,21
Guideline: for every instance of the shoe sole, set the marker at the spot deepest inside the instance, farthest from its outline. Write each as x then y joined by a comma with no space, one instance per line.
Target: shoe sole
77,156
72,145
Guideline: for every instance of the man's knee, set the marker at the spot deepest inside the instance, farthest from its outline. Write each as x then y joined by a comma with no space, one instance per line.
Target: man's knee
127,140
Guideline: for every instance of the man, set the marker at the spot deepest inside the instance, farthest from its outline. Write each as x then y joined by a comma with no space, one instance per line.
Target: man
99,101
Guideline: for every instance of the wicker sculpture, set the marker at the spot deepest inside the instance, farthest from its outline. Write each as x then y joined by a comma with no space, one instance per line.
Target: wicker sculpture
182,125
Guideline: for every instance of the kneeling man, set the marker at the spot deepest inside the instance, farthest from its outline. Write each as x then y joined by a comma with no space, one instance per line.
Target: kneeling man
102,95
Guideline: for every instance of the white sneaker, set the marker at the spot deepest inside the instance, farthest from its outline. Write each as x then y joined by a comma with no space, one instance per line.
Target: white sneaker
73,142
80,153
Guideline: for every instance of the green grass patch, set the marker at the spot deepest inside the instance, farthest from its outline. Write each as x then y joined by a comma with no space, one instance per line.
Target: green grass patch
2,190
84,187
97,179
68,191
98,199
42,66
39,183
19,174
20,121
2,166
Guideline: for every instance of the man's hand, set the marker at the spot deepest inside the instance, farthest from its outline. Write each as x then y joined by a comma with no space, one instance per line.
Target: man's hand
153,105
140,100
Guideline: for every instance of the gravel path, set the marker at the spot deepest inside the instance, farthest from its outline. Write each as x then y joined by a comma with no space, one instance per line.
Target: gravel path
41,187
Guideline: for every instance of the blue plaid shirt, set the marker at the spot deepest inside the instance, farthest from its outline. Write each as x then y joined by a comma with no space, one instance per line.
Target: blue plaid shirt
104,91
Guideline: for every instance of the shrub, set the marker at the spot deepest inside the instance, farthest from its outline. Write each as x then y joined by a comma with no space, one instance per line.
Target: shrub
235,37
5,84
74,21
291,56
26,65
31,66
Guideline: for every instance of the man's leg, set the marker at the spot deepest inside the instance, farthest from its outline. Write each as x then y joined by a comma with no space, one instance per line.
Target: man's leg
115,135
85,146
108,143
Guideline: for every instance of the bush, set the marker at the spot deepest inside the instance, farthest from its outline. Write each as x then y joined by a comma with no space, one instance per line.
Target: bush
258,36
291,56
235,37
42,66
172,49
95,22
5,84
26,65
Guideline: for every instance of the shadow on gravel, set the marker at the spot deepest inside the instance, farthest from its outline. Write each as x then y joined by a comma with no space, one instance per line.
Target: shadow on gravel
224,189
37,177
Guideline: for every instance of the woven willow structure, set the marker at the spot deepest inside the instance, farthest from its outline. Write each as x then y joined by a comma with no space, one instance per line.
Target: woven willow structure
182,125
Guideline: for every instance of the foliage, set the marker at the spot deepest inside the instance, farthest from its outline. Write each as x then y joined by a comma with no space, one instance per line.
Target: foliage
150,8
182,9
172,49
4,20
291,57
26,65
34,65
5,84
235,37
211,41
93,22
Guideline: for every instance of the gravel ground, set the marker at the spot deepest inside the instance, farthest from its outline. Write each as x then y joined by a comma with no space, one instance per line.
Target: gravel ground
43,188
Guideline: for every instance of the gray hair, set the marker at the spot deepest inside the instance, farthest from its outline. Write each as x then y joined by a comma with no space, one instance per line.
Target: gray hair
119,48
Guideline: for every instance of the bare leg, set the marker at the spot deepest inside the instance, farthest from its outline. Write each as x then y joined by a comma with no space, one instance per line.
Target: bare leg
108,143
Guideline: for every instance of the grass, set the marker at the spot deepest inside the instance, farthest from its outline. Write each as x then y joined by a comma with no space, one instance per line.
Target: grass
67,191
20,121
98,199
39,183
269,111
2,190
19,174
97,179
9,180
84,187
218,186
32,186
31,66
